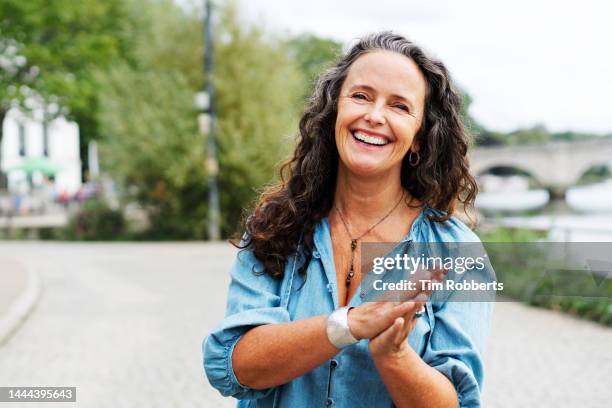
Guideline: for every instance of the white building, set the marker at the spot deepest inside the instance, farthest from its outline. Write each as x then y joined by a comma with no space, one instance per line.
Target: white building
25,137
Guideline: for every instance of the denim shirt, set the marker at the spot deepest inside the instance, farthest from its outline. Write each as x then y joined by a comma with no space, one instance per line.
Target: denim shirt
449,337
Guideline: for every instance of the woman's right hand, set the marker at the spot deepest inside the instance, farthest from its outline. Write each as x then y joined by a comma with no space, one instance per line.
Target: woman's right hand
371,318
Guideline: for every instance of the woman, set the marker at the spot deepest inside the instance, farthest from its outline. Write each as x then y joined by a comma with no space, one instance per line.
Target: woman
381,158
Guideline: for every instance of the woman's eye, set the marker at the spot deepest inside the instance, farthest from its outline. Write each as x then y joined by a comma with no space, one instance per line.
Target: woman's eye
402,107
361,96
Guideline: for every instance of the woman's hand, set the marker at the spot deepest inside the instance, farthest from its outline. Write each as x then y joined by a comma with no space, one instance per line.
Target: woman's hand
372,318
392,341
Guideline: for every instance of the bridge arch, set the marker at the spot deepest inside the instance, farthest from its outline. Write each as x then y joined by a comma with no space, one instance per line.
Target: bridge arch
556,165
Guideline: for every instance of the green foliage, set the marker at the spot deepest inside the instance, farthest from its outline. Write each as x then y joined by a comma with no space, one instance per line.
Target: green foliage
596,174
511,235
95,221
535,134
259,89
313,55
153,148
63,42
524,266
571,136
151,142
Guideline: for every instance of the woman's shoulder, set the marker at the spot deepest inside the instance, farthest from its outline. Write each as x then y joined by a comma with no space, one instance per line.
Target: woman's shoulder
450,230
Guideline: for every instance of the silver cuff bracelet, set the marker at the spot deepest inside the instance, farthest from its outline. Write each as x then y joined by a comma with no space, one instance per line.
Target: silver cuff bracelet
337,328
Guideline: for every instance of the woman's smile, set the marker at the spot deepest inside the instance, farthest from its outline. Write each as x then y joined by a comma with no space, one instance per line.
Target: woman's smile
370,140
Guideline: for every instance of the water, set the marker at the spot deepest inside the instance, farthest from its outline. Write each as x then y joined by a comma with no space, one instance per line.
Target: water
586,215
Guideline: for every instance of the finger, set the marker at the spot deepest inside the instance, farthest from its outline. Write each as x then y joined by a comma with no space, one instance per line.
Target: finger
410,319
388,335
439,274
417,306
422,297
401,309
386,314
400,334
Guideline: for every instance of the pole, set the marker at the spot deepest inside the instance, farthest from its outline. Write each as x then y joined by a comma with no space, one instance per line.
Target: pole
212,165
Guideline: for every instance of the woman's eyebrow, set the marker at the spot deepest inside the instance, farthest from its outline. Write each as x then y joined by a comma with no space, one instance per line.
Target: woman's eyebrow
371,89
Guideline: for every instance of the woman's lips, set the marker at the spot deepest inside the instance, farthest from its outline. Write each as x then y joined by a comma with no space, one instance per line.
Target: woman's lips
368,146
370,139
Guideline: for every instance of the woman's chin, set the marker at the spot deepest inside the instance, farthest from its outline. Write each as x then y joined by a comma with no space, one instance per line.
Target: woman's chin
367,168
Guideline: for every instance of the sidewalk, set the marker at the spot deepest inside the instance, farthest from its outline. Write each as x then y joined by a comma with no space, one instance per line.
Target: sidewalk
19,291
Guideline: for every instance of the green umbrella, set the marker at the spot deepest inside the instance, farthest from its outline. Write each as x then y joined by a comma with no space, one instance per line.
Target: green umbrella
37,165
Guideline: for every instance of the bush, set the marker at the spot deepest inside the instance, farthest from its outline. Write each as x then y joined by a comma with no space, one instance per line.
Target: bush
95,221
521,268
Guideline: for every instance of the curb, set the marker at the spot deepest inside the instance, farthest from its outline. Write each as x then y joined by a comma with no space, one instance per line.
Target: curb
21,308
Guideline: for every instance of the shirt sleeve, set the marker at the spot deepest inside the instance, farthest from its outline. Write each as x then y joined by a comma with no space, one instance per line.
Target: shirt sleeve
253,300
456,347
460,327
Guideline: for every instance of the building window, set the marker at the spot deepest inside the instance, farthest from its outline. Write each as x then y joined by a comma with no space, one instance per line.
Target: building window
22,139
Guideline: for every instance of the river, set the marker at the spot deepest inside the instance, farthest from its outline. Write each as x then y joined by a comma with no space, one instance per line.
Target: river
585,216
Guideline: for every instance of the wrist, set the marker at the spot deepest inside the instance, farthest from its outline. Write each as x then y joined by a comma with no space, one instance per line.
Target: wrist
352,322
394,357
338,330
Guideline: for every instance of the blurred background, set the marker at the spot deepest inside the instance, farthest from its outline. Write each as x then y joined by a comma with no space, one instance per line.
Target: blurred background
134,130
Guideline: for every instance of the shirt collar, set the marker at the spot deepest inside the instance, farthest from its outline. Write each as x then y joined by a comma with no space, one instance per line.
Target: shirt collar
322,234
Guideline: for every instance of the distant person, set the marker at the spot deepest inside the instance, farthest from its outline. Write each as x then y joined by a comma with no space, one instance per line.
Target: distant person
382,157
63,198
19,198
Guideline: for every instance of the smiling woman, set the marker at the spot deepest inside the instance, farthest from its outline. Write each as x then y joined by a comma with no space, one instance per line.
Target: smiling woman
382,157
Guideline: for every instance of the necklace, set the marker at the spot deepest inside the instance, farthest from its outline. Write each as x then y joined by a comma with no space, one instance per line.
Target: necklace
351,272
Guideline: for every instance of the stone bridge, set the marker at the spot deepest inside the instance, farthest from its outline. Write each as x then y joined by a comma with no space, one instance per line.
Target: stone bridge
557,166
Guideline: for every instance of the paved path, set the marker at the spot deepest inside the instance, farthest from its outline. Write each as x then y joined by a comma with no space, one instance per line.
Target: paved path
124,324
13,280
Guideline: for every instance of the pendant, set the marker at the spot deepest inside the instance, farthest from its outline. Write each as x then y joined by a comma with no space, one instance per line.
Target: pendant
349,276
353,244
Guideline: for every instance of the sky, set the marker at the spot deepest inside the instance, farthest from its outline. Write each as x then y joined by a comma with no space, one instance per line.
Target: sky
524,62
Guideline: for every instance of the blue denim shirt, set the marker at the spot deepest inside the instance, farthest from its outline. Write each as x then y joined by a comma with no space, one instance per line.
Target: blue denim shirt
450,337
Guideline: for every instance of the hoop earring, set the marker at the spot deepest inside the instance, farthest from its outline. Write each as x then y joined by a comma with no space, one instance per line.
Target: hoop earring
411,161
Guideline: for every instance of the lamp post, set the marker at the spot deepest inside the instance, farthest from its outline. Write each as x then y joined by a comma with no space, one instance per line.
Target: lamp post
208,120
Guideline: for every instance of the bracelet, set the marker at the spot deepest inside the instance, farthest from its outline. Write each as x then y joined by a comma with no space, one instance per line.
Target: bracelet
338,331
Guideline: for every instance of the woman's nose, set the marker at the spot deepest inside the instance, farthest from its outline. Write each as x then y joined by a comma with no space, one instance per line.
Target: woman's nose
375,115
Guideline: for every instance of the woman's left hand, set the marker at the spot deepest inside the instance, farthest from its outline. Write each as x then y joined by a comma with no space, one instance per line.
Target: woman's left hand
392,341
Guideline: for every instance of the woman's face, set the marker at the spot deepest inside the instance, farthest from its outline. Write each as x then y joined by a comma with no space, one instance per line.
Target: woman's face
380,110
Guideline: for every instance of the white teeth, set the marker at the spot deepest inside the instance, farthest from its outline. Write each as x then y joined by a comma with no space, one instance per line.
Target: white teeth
380,141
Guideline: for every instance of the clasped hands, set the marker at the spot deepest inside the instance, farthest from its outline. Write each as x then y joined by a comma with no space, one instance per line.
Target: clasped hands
387,323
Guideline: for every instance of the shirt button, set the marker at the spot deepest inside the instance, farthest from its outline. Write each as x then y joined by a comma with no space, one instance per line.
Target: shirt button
362,295
334,364
329,402
316,254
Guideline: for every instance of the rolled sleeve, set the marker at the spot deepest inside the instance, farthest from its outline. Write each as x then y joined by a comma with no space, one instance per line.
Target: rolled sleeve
461,320
253,300
456,347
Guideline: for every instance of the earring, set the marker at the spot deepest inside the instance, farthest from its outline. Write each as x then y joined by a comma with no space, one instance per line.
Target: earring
411,160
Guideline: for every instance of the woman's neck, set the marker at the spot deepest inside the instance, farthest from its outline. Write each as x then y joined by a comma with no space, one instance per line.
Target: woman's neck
366,198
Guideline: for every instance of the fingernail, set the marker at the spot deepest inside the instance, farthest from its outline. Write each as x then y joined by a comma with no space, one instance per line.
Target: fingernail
421,297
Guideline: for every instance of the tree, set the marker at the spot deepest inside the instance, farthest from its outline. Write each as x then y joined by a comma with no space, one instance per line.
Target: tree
313,54
151,143
535,134
14,75
59,44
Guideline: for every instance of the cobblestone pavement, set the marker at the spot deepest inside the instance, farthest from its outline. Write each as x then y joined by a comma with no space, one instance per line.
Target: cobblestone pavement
124,324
